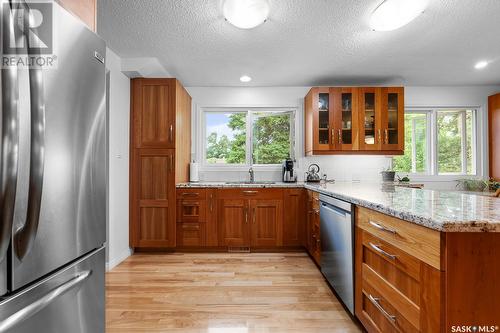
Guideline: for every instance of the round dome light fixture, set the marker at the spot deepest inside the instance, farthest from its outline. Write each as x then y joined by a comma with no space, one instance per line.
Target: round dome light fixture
246,14
245,78
393,14
481,64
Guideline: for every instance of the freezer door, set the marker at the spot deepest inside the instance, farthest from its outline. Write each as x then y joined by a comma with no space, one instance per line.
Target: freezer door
60,211
70,300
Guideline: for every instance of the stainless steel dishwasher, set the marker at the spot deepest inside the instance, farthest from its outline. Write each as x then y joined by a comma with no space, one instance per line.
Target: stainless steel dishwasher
337,247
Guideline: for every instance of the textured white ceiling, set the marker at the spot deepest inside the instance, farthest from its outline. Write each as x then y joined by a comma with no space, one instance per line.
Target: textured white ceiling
308,42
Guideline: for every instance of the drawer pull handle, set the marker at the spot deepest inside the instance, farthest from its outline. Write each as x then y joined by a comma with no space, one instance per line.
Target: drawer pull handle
250,192
379,250
376,302
190,194
381,227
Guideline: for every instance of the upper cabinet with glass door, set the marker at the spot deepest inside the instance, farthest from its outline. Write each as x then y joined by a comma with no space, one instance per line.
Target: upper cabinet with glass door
347,120
319,117
345,114
393,118
370,118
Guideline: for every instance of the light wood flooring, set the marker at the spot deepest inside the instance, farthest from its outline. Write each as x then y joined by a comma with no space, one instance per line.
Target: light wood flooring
222,293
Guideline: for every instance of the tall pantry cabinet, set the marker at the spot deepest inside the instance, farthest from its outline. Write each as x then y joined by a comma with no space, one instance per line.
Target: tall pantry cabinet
160,151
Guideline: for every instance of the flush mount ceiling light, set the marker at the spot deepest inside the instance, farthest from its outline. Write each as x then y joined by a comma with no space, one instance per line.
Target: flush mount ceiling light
481,64
393,14
245,78
246,14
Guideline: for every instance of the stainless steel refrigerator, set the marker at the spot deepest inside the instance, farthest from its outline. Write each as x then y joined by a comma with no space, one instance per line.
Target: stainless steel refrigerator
52,180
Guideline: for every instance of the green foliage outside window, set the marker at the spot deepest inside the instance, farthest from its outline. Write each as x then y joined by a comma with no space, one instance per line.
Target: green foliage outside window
271,140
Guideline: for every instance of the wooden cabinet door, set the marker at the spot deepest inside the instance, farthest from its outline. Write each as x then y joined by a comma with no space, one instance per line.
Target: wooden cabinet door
316,237
233,224
153,198
322,119
370,122
294,217
212,225
267,222
345,133
153,105
393,119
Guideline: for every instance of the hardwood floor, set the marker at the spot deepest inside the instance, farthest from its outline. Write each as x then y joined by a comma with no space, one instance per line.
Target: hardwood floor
222,293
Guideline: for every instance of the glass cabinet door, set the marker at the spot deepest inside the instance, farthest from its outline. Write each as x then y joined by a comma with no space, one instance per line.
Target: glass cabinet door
324,117
346,119
393,118
370,132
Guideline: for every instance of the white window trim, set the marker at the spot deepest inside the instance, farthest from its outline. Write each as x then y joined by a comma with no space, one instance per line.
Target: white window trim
432,167
201,139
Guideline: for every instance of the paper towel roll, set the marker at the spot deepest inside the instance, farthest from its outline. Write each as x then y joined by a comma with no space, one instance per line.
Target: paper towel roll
194,172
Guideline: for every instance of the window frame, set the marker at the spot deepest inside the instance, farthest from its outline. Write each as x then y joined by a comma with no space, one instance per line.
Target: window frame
432,167
250,116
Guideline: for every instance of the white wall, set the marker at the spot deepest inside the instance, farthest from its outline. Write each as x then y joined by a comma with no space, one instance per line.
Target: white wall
343,167
118,163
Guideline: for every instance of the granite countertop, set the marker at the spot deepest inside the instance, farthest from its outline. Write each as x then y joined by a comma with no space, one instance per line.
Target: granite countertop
239,184
450,211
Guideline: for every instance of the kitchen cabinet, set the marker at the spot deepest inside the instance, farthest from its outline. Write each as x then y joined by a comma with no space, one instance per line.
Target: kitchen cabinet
370,114
250,217
234,230
294,217
153,198
397,274
354,120
345,133
191,218
85,10
160,151
413,279
313,243
266,222
392,119
494,135
196,218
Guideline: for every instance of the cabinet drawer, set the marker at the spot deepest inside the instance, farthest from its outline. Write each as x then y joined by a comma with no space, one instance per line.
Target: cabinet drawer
378,314
420,242
396,267
192,193
380,288
191,210
191,234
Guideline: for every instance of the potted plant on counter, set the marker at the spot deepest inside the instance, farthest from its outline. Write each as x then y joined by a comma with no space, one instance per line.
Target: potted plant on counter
388,175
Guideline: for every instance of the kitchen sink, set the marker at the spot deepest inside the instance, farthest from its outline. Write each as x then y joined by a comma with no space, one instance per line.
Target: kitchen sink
250,183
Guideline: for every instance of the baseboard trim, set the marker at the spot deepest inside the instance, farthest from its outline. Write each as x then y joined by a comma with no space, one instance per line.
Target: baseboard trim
116,261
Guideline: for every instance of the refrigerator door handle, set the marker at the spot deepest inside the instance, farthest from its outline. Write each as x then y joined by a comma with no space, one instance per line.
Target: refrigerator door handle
24,237
44,301
9,142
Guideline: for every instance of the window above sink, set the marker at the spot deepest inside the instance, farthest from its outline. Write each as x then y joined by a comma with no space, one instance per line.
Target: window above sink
244,137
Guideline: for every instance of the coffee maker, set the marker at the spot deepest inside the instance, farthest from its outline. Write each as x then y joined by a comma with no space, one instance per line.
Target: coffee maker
288,175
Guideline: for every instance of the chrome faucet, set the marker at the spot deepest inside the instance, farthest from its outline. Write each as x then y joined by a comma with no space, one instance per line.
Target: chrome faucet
252,178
